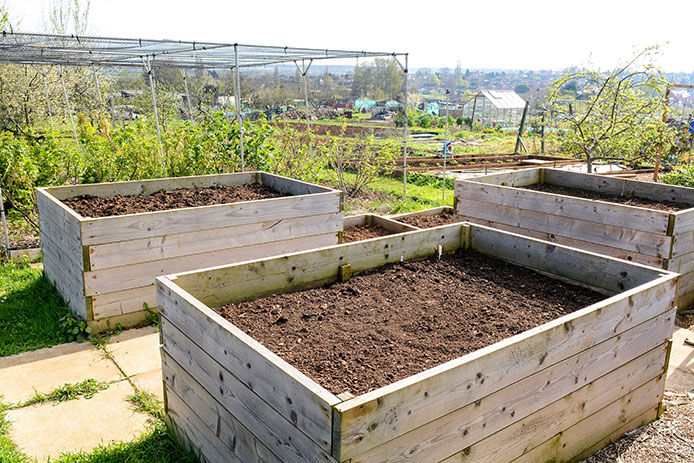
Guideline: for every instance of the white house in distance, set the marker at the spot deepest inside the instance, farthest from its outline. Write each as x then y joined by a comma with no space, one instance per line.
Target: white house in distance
490,107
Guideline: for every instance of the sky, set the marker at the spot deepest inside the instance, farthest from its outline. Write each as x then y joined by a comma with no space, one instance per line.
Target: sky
485,34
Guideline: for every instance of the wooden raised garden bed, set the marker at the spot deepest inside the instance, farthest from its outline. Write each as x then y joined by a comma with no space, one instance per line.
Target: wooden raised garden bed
105,267
428,218
651,223
366,226
549,393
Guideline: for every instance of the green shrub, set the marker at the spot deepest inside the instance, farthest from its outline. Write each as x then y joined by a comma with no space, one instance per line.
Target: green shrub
681,176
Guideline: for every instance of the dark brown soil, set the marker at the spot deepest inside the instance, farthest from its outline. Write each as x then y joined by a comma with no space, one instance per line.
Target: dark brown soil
25,242
92,206
389,323
428,221
640,202
363,232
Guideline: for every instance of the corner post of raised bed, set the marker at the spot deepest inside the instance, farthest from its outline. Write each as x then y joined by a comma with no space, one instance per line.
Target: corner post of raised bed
665,368
465,236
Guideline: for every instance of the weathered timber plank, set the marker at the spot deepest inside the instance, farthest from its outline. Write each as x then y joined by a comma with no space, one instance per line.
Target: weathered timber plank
685,300
632,358
407,404
291,186
165,247
431,211
582,266
650,415
354,220
681,264
123,302
61,238
161,223
278,433
620,186
519,178
596,409
391,225
147,187
683,243
195,436
233,283
607,235
70,270
60,214
113,279
295,397
55,274
684,221
572,441
218,421
601,212
574,243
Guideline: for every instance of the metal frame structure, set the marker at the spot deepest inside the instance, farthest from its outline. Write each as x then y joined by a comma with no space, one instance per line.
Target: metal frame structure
90,51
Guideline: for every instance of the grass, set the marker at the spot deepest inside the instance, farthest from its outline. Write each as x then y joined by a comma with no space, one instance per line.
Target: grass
86,389
146,402
8,451
30,310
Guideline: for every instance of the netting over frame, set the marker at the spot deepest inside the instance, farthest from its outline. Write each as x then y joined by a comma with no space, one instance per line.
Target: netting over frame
71,50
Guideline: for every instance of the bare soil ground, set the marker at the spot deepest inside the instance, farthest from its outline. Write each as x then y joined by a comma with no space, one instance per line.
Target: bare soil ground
389,323
363,232
92,206
428,221
668,440
640,202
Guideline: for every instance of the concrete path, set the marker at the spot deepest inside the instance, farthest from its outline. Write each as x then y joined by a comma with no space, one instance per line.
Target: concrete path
128,362
131,360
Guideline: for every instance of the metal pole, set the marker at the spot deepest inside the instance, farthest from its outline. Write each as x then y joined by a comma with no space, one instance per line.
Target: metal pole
4,225
48,100
404,145
148,68
98,89
308,113
185,83
67,106
238,105
445,147
474,107
519,139
660,148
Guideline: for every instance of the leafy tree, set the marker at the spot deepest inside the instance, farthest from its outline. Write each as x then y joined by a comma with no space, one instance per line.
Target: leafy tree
381,79
521,88
622,120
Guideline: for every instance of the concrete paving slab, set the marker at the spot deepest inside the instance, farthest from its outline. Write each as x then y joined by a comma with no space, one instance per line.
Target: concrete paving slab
681,368
45,369
136,351
47,430
150,381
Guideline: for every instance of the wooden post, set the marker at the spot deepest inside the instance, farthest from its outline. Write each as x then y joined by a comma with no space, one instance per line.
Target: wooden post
474,107
542,134
519,140
660,148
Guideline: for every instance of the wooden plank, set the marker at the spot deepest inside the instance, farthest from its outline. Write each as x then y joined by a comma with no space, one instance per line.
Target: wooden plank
632,358
588,406
581,266
61,215
266,423
195,436
683,222
570,442
73,297
123,302
354,220
620,186
606,235
147,187
295,397
391,225
601,212
161,223
519,178
218,422
685,300
233,283
291,186
68,244
113,279
431,211
683,243
393,410
70,271
650,415
681,264
574,243
164,247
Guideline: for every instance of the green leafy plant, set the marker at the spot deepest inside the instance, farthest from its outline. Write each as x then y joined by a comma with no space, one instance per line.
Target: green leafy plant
75,329
681,176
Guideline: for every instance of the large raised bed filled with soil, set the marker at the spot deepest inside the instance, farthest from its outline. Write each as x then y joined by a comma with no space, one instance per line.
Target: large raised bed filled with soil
455,343
646,222
366,226
103,244
428,218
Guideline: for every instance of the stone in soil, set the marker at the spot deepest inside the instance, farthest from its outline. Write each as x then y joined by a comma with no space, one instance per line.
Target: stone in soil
93,206
633,201
395,321
364,232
